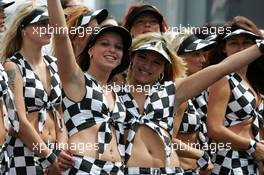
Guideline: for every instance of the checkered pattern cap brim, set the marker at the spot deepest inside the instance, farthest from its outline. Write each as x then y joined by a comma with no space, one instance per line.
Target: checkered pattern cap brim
211,37
157,46
35,16
100,16
240,32
6,4
193,43
42,17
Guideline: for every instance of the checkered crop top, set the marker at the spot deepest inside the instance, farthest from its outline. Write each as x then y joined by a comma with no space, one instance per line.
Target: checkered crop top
36,97
242,105
158,114
92,110
7,97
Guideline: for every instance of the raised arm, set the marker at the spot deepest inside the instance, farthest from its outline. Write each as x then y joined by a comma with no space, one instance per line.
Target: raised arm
69,71
193,85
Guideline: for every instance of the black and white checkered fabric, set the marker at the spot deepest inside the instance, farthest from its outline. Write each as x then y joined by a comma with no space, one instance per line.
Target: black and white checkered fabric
158,115
7,97
200,103
153,171
41,17
90,166
191,172
193,43
191,119
241,106
192,123
18,159
100,16
93,110
234,162
36,97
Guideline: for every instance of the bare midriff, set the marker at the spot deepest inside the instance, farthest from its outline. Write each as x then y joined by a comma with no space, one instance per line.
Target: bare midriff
85,143
148,150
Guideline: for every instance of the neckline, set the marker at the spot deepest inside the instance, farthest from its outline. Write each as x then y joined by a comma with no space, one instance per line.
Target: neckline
105,102
37,77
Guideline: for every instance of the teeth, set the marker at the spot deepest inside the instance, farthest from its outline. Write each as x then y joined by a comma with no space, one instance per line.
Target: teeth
110,57
144,72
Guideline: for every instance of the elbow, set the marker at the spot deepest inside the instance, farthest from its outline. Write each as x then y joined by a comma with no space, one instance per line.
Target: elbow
214,132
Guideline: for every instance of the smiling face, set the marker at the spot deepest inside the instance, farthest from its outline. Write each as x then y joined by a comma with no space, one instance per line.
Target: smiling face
195,61
144,23
147,66
107,51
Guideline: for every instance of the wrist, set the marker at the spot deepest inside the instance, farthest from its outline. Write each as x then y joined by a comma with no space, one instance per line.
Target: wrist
48,160
203,161
251,147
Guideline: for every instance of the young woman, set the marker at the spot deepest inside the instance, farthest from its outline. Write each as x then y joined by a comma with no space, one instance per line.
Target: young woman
34,80
192,130
151,108
93,114
143,18
235,109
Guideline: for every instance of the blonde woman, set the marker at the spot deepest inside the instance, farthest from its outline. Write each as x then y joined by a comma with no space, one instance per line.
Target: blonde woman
150,119
34,80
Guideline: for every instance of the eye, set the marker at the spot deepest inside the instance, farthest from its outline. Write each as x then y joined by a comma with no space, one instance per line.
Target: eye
119,46
104,43
141,56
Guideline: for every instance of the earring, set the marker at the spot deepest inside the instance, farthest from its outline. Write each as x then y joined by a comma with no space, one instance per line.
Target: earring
90,55
161,76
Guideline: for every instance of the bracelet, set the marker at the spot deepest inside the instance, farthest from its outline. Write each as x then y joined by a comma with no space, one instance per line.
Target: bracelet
203,161
260,44
48,160
251,147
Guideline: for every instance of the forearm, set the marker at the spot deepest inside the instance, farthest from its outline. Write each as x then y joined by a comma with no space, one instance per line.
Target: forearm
57,18
228,139
186,150
29,136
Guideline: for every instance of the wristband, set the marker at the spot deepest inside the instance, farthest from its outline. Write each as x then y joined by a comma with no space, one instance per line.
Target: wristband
203,161
251,147
260,44
48,160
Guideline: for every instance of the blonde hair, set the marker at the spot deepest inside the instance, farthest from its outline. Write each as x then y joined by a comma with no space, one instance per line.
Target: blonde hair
177,67
12,37
174,39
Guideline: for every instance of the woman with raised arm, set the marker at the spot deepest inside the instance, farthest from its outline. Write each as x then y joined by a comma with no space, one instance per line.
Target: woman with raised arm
192,130
34,80
93,113
152,97
235,108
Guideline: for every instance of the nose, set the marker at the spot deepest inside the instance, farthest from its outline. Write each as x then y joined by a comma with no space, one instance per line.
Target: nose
147,65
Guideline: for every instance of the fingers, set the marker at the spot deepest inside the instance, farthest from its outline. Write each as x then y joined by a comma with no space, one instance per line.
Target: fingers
65,160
